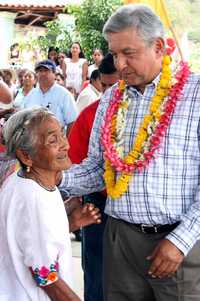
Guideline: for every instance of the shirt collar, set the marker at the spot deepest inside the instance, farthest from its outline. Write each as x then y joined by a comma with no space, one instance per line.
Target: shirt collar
151,85
50,89
95,90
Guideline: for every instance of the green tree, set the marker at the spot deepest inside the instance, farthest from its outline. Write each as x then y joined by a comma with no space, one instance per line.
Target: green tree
90,18
57,35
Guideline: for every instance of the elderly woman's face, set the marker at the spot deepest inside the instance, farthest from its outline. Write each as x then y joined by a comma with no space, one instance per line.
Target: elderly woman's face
52,147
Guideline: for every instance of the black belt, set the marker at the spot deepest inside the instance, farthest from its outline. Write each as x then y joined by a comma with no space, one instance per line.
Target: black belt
150,229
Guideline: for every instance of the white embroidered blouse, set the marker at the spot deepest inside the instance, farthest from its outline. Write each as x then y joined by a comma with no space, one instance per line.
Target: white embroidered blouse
35,245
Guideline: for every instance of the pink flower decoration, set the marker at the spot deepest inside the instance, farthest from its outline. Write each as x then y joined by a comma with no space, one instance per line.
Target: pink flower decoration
43,272
56,266
171,45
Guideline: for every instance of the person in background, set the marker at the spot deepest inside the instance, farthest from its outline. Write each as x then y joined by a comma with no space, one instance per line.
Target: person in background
6,96
7,166
28,56
91,93
53,54
146,138
97,56
8,77
76,68
60,79
29,82
20,77
92,236
35,249
62,66
51,95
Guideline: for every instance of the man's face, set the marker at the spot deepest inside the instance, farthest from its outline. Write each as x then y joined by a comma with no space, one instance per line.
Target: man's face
107,80
137,62
45,76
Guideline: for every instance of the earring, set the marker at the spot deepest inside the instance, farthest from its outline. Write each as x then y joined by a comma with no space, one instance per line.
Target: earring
28,169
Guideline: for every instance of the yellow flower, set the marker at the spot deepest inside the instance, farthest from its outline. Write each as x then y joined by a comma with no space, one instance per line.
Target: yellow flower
164,83
124,104
166,60
147,119
122,85
161,92
157,115
153,108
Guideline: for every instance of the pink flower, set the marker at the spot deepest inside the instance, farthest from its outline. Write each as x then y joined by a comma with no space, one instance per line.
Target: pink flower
164,119
155,140
140,165
43,272
56,266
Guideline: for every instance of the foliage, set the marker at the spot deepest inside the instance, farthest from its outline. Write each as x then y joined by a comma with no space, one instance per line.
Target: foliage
90,18
195,35
57,35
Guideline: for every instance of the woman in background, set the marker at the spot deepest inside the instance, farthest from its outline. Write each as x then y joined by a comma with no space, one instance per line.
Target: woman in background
29,82
53,54
76,68
62,65
97,57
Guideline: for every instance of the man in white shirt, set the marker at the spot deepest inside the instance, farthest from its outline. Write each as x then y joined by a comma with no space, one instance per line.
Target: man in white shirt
51,95
91,93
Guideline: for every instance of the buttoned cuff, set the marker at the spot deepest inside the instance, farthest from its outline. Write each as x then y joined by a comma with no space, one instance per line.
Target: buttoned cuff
184,237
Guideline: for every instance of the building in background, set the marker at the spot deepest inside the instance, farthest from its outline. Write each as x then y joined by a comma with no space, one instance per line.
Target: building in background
18,17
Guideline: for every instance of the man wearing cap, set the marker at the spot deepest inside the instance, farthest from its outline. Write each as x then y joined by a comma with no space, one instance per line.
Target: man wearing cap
51,95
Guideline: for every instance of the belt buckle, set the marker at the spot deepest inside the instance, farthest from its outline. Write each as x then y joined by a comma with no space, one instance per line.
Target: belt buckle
143,226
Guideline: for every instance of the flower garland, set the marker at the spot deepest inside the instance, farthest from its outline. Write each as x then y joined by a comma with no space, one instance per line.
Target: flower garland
151,130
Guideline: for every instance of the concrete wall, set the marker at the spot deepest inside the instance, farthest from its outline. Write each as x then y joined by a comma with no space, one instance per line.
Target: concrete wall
6,36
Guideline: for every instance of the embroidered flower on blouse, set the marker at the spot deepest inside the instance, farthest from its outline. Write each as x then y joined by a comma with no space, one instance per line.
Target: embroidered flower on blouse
44,275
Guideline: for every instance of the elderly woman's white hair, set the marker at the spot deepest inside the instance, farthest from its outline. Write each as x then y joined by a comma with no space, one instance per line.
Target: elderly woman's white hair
20,130
139,17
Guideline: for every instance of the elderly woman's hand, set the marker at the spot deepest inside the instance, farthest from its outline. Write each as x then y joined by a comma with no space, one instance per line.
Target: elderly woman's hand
84,215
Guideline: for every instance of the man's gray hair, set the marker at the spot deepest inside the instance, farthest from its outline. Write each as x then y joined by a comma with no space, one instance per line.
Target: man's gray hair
20,130
140,17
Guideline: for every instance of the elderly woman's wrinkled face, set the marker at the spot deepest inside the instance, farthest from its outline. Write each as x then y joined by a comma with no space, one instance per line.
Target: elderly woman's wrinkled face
52,147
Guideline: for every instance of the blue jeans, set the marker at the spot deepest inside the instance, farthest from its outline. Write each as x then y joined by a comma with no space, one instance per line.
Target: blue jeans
92,251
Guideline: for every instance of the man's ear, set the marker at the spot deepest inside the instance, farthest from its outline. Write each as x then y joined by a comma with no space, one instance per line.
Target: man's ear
24,157
159,47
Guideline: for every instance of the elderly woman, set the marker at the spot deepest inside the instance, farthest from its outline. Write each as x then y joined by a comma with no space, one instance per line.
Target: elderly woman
35,250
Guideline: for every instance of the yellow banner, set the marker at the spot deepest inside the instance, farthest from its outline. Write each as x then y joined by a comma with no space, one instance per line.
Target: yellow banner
158,6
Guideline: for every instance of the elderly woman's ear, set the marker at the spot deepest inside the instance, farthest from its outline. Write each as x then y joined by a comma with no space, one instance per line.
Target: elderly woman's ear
24,158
